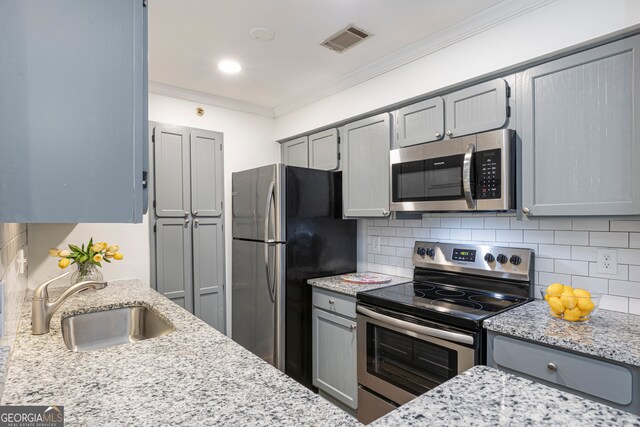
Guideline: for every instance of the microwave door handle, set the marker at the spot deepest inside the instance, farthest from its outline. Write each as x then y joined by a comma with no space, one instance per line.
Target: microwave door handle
419,329
466,176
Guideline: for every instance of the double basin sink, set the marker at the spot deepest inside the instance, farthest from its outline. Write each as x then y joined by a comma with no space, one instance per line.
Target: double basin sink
107,328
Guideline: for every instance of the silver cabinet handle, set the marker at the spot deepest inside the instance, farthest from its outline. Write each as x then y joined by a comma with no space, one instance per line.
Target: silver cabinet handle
331,301
186,221
438,135
195,212
525,210
419,329
466,176
353,327
552,367
196,221
186,214
449,133
385,212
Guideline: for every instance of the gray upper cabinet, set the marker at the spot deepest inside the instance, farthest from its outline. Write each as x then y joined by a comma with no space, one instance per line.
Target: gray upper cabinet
478,108
73,111
420,123
206,173
173,261
208,271
580,139
365,180
172,186
296,152
324,150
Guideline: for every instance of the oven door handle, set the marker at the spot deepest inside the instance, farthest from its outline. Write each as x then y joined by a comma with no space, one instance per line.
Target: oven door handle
466,176
419,329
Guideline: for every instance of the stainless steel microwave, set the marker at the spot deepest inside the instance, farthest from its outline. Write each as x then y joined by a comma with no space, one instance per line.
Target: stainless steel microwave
470,173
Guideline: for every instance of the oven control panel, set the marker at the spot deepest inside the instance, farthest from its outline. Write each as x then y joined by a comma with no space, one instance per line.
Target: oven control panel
493,261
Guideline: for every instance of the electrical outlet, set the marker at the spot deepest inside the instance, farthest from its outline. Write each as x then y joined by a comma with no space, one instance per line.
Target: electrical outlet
607,261
376,244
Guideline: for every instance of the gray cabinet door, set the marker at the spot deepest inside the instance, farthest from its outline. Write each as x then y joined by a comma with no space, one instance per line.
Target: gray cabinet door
420,123
476,109
72,111
296,152
171,157
206,173
365,180
324,150
208,271
173,261
334,356
580,139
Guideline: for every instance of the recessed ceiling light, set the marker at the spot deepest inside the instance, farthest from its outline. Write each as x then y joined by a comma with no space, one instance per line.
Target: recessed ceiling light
262,34
229,66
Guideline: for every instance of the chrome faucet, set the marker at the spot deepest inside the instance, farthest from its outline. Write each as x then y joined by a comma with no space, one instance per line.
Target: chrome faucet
42,310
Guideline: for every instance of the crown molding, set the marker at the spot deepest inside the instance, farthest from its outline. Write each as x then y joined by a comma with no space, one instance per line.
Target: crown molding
476,24
208,99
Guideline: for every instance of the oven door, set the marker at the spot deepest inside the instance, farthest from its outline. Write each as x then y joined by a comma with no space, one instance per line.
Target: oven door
434,177
399,359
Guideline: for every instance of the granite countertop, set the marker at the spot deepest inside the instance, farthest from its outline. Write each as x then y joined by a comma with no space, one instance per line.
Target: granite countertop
484,396
609,334
194,376
335,284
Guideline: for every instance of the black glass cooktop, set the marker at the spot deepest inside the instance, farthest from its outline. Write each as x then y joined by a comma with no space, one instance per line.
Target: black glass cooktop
429,300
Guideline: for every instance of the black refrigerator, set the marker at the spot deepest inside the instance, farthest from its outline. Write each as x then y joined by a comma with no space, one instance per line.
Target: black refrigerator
287,228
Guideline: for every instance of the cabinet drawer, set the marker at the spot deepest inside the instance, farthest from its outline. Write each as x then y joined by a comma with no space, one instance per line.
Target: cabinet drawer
335,302
591,376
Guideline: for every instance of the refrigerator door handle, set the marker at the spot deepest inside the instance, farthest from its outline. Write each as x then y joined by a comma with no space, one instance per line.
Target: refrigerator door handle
269,242
270,283
267,213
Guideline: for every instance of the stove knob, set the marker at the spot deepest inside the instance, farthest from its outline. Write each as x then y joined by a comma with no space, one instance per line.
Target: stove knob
515,260
489,258
430,252
421,251
502,259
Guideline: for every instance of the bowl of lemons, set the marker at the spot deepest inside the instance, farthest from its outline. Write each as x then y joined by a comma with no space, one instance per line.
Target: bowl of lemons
570,304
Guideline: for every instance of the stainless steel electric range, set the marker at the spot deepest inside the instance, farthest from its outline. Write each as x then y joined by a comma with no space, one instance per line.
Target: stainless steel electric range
417,335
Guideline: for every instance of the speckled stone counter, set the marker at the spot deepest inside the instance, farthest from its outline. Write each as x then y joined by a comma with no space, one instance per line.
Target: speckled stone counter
484,396
194,376
335,284
609,334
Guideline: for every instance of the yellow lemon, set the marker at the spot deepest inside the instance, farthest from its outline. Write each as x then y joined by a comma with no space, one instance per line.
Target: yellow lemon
546,297
568,299
585,313
554,314
555,289
585,304
556,305
581,293
567,289
54,252
572,314
64,262
118,256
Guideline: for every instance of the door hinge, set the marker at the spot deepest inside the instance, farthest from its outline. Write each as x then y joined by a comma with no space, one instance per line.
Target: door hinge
508,111
508,92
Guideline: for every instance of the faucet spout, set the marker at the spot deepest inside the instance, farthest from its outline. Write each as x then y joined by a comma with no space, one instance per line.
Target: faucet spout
42,310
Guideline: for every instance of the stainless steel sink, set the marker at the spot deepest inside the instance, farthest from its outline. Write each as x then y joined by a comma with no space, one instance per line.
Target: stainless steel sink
90,331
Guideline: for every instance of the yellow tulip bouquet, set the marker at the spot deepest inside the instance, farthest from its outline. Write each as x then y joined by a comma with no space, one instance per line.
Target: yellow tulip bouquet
87,259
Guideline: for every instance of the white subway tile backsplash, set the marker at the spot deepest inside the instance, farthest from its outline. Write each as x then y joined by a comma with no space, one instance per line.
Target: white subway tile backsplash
381,259
625,226
431,222
634,306
387,250
571,238
592,284
512,236
535,236
409,242
474,222
450,222
624,288
578,268
404,252
555,224
460,234
590,224
404,232
634,240
500,223
396,223
439,233
584,253
396,241
546,279
421,233
609,239
413,223
381,222
396,261
622,274
554,251
525,224
634,273
629,256
614,303
545,264
483,235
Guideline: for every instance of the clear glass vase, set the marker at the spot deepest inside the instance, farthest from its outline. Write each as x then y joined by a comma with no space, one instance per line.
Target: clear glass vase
86,271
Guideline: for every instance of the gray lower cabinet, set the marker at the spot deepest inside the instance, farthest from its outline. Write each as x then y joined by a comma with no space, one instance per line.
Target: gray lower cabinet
580,139
324,150
296,152
609,382
420,123
73,111
365,168
478,108
187,220
334,350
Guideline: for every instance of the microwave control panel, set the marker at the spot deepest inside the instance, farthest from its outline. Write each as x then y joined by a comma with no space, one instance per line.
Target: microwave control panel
488,174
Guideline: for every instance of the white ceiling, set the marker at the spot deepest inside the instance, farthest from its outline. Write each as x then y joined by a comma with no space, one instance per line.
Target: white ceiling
187,38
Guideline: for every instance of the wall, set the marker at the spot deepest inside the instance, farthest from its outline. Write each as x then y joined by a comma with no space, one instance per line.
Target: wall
558,25
565,248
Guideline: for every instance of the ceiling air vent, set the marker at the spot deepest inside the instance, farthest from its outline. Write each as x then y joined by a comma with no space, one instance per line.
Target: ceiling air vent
345,39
